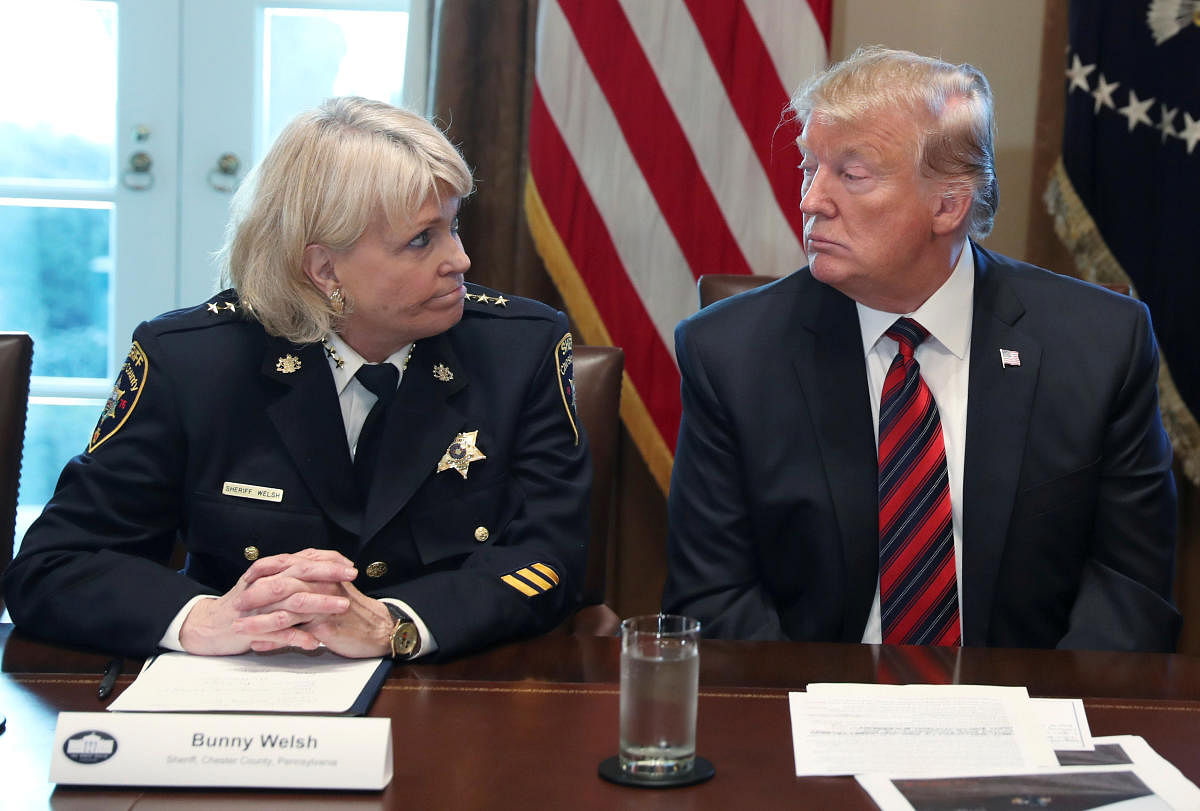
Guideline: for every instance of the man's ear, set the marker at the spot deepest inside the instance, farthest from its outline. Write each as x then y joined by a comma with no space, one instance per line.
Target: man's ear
317,261
951,208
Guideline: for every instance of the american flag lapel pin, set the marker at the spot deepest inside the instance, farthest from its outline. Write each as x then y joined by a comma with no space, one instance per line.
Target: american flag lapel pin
1010,357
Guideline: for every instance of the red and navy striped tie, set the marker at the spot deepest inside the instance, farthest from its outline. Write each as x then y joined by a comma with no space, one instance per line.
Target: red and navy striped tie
918,588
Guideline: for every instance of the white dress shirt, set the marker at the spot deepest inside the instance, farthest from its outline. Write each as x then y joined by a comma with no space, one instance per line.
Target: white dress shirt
355,400
945,365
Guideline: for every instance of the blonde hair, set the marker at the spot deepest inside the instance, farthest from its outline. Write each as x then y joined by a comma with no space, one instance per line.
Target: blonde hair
325,177
951,106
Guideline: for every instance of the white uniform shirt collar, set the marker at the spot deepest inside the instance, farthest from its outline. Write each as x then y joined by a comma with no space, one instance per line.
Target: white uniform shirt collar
946,314
351,361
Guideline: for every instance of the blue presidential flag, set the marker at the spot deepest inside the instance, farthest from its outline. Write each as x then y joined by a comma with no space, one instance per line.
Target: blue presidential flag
1125,192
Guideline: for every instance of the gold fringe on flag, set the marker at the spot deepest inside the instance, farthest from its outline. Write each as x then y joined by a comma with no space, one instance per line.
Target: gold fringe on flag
562,270
1078,231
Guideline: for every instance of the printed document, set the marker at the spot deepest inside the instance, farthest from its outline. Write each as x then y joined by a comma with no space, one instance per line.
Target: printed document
1126,773
916,730
316,683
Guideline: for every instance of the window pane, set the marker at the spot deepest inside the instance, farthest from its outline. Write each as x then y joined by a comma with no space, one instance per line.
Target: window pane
58,100
311,54
55,265
55,430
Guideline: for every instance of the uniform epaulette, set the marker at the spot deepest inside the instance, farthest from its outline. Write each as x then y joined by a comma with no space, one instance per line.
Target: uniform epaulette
483,300
222,308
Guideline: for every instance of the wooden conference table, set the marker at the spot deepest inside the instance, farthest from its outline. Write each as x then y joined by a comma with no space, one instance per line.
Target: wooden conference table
525,725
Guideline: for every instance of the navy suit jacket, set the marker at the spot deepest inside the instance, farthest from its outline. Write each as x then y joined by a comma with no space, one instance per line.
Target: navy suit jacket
1068,498
217,401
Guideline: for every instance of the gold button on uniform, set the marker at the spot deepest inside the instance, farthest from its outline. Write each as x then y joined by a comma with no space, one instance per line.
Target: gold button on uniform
377,569
481,534
250,553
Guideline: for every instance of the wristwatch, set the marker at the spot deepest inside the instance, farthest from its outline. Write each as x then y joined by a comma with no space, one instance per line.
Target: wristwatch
405,641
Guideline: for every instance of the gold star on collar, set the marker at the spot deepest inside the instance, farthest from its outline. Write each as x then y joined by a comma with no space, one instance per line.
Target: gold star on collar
501,301
213,307
461,453
229,305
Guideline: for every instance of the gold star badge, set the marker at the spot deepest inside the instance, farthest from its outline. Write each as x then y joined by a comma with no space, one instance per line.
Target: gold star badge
461,453
213,307
443,373
287,364
501,301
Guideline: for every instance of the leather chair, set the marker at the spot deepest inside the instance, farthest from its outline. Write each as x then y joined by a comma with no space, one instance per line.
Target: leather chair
16,358
597,399
716,286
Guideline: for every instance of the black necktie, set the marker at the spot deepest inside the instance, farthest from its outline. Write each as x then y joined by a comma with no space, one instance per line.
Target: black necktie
380,379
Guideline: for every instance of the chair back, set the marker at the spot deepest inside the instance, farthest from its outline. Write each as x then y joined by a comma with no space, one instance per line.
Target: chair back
16,359
597,373
716,286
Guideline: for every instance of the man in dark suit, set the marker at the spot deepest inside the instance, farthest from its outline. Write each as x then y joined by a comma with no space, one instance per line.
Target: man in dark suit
808,503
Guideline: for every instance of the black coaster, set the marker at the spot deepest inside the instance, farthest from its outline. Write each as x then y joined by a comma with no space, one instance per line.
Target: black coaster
610,770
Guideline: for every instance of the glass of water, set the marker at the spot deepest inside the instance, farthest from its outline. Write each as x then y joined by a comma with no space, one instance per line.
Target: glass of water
660,671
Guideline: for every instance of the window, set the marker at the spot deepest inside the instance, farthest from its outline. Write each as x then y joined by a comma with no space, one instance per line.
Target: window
112,194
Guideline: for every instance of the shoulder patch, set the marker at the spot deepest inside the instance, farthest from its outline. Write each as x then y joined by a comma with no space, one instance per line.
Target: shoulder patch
565,360
131,382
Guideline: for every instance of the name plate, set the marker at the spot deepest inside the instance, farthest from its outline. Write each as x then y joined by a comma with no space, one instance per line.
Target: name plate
220,750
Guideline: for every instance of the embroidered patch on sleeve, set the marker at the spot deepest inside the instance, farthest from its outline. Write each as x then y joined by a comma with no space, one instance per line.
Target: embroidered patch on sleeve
532,580
131,382
565,360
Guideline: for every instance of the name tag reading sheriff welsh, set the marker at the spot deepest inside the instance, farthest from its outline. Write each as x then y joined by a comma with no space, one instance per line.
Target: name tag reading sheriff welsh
253,491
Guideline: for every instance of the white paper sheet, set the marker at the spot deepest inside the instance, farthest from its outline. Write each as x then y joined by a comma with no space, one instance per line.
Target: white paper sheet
293,682
916,730
1065,722
1168,787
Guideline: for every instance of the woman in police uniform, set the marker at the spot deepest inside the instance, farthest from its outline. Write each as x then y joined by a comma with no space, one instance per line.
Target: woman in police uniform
321,505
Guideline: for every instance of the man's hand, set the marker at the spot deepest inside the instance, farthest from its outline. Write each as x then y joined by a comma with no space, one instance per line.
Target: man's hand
264,609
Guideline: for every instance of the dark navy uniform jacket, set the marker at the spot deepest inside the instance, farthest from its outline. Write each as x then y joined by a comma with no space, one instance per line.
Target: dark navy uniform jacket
231,441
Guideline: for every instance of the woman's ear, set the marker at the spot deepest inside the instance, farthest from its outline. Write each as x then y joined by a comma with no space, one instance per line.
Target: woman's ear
317,262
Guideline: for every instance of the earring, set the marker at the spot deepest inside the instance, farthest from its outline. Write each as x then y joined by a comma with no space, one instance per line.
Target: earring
337,301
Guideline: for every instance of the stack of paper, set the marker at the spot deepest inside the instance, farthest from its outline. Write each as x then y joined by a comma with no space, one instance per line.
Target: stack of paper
917,747
313,683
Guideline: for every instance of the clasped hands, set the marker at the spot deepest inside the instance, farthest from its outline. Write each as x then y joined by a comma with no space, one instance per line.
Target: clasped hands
299,600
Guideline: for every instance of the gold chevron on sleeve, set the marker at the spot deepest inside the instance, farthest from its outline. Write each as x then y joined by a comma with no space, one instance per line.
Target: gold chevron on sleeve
521,586
540,582
532,580
546,570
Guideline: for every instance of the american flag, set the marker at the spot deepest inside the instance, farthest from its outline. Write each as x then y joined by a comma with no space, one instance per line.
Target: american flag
1124,193
1010,357
659,151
